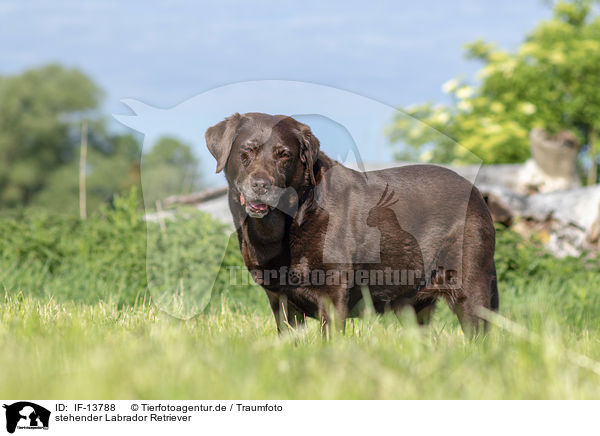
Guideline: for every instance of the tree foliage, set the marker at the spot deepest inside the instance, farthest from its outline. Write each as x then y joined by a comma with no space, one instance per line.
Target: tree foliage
41,111
37,109
169,168
551,81
109,171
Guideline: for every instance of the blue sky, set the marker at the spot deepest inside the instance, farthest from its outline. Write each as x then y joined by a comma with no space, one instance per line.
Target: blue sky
163,53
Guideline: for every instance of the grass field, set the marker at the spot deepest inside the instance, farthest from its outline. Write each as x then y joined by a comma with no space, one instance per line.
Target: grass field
76,322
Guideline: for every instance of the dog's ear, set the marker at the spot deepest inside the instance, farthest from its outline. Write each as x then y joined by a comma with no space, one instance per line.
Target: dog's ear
220,137
309,149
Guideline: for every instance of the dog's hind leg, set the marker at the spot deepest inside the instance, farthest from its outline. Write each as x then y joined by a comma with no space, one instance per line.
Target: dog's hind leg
495,298
478,287
477,292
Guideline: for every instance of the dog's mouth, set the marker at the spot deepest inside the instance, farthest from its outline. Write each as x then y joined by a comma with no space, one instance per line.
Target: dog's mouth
255,208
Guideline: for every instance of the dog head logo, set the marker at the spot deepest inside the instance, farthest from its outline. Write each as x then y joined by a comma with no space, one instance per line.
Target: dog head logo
26,415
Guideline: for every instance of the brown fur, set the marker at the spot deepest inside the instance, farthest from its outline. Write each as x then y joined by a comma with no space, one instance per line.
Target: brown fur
323,216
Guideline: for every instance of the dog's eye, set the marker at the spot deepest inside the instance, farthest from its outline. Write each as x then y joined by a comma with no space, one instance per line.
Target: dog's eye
246,155
283,154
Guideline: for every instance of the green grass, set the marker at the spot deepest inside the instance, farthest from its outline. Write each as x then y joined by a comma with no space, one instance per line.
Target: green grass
77,321
66,350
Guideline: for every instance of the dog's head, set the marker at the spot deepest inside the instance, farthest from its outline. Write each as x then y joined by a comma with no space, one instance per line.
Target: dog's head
263,156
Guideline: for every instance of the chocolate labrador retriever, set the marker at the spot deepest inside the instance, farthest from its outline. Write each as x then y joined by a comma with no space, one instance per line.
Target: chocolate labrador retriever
323,239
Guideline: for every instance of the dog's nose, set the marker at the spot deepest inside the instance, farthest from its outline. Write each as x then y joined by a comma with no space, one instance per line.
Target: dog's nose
261,185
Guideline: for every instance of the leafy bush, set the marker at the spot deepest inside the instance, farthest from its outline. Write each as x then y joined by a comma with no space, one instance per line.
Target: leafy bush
521,260
104,257
526,272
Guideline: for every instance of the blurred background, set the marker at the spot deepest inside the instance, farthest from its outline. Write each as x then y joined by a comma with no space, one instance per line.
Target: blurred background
481,74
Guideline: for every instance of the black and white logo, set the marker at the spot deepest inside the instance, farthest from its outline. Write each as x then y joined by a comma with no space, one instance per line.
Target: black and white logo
26,415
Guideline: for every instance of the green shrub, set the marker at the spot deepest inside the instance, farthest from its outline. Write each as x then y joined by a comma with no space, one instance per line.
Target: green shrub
104,257
527,271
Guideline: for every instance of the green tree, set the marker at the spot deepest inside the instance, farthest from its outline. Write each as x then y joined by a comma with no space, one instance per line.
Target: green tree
112,168
551,81
169,168
38,110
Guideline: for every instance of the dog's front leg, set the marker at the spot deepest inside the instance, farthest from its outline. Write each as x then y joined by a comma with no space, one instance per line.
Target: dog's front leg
286,314
333,310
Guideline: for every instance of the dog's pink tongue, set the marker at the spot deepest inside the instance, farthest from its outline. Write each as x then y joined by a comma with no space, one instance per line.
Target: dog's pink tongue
258,205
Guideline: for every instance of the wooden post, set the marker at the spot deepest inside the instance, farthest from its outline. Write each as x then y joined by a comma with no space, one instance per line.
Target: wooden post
161,218
82,168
